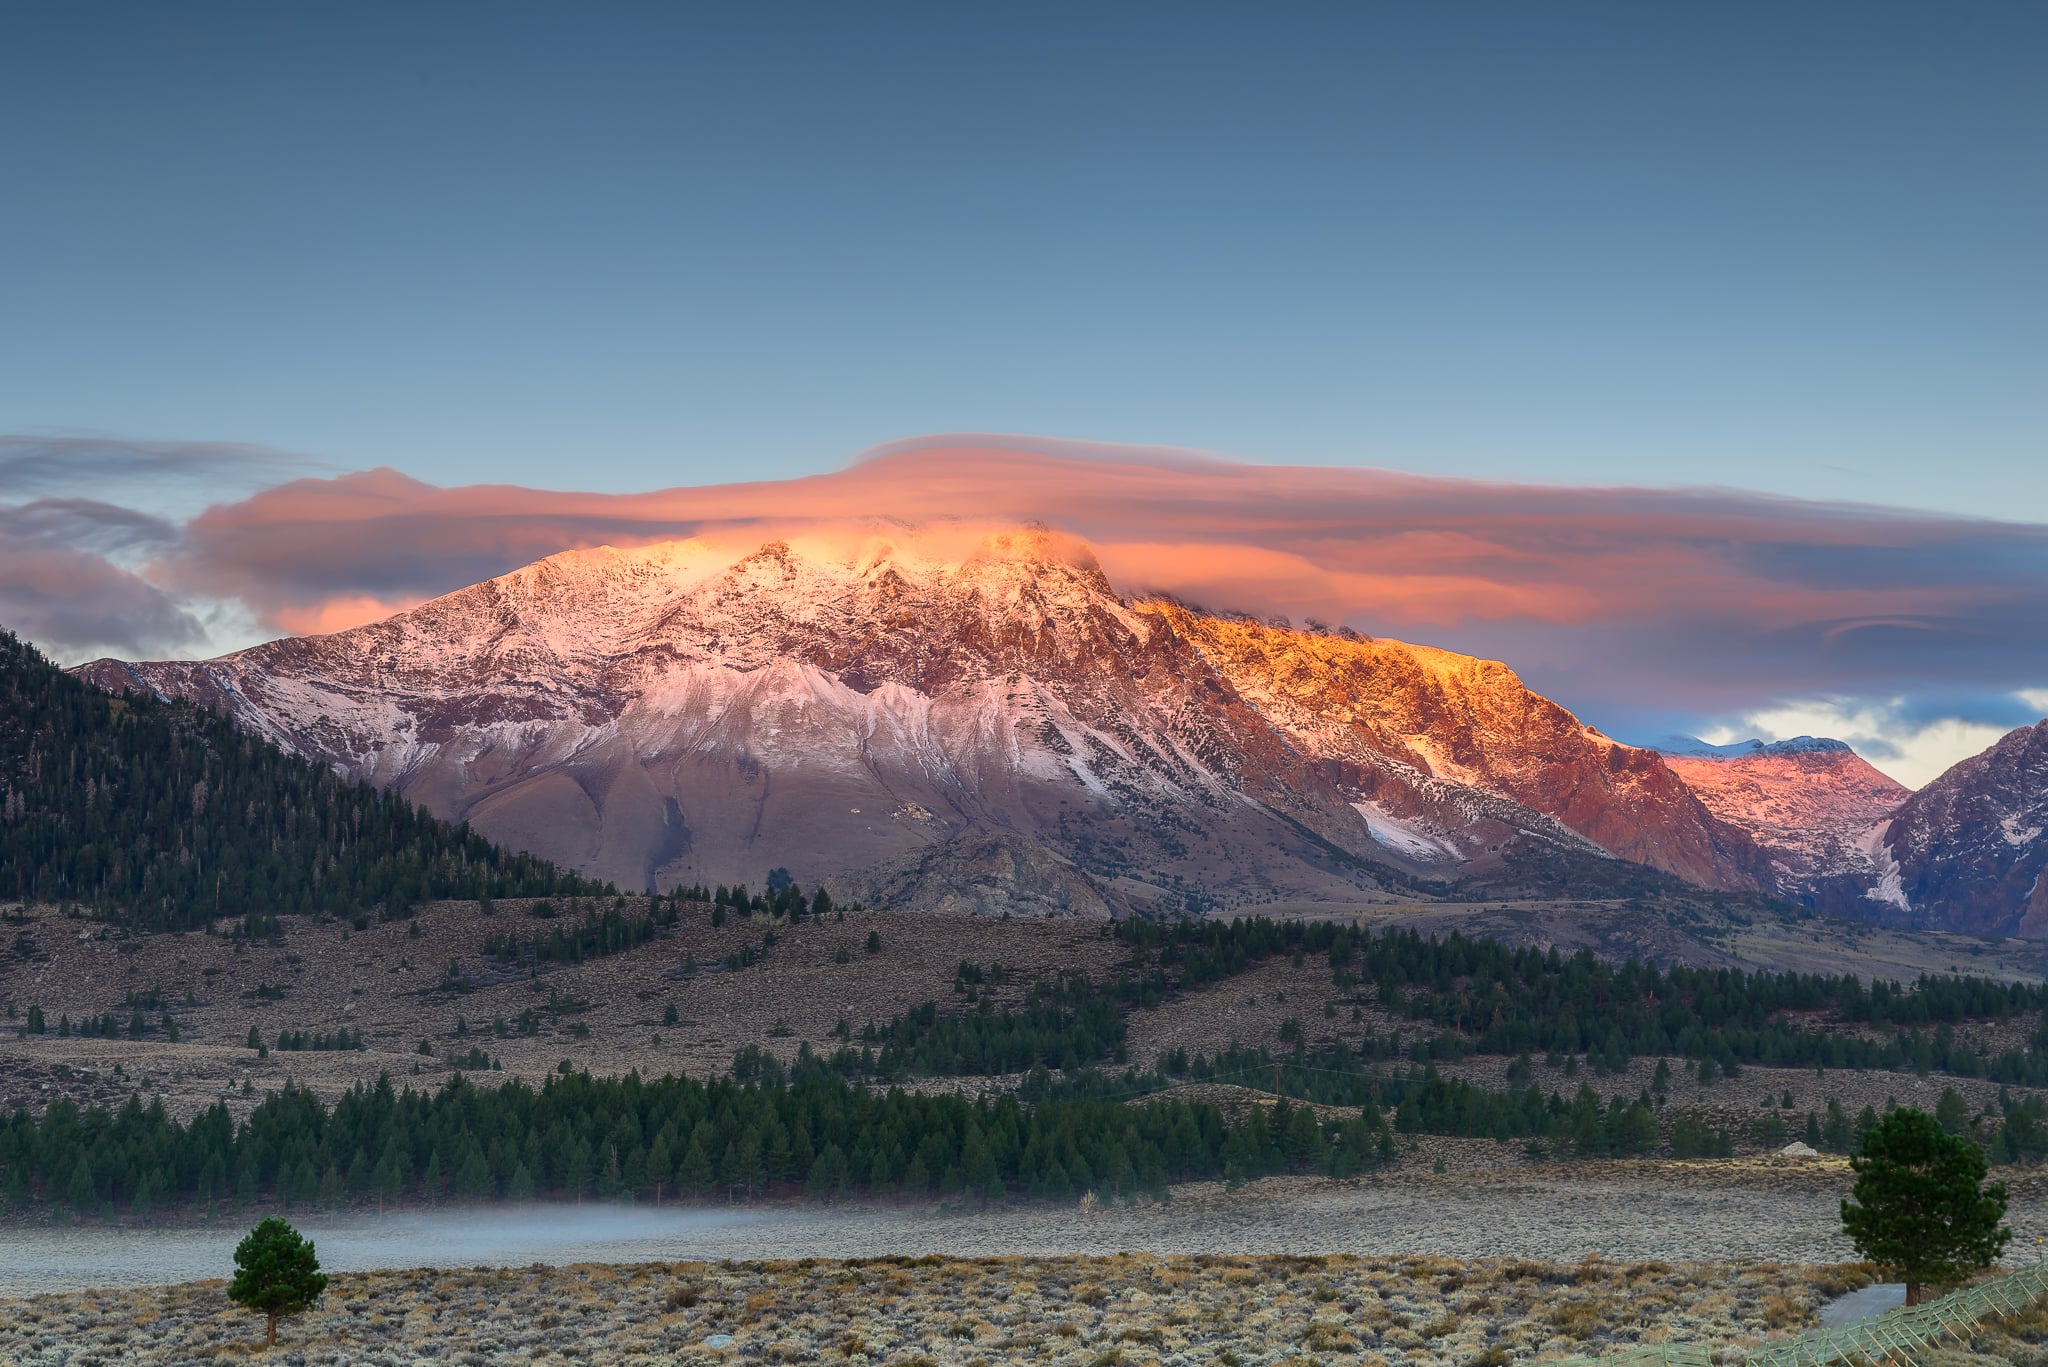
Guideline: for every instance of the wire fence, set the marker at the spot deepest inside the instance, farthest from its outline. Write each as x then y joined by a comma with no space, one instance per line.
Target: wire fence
1898,1336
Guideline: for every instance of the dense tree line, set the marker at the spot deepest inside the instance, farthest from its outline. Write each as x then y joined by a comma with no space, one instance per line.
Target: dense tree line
766,1129
1479,997
1436,1105
1497,1000
1184,955
1424,1102
1066,1023
163,815
1481,975
1483,998
783,900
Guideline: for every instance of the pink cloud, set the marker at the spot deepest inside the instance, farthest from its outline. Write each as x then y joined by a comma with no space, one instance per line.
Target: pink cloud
1384,545
1696,595
338,614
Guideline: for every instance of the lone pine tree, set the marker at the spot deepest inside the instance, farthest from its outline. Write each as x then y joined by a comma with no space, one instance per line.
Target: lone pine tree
1919,1207
276,1273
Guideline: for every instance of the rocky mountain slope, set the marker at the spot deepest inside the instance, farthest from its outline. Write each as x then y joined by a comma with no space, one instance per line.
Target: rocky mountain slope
1810,804
1968,852
996,729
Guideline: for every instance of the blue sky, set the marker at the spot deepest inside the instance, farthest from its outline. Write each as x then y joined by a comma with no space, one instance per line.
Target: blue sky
617,247
1794,248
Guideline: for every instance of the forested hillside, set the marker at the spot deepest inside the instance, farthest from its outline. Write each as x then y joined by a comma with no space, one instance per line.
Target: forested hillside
800,1129
162,815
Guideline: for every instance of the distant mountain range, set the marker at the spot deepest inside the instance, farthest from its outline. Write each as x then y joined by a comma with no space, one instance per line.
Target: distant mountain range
1811,804
1001,730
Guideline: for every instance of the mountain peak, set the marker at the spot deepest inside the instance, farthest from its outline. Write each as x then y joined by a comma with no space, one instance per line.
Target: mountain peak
1810,801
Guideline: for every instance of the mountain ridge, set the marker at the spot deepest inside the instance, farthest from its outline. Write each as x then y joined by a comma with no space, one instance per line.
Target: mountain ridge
690,712
1968,852
1810,804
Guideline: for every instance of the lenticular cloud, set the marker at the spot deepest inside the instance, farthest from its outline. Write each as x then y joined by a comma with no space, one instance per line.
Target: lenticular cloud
1701,600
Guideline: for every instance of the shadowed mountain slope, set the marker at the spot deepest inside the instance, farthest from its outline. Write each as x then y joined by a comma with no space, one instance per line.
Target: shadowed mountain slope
1969,851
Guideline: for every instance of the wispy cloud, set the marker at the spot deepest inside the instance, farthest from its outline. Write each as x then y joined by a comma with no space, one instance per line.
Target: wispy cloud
80,465
90,525
73,562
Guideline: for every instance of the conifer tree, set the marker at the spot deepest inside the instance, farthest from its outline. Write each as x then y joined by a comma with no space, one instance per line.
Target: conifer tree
276,1273
693,1173
1919,1207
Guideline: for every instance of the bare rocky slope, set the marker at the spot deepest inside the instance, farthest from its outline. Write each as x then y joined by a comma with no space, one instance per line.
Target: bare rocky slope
1810,804
999,730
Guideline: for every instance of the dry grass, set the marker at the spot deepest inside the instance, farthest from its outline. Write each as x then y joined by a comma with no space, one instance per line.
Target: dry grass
1129,1310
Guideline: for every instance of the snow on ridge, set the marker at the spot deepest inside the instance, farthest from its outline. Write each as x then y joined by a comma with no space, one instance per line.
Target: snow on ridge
1692,747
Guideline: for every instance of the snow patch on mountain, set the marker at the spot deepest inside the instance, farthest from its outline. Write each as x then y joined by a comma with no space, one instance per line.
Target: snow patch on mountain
1891,887
1410,839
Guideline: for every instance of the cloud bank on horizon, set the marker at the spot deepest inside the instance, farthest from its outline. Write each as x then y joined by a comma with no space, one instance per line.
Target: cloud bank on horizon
1917,638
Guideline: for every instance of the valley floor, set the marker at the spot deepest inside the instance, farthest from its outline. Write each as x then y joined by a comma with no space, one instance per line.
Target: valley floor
1486,1262
1130,1308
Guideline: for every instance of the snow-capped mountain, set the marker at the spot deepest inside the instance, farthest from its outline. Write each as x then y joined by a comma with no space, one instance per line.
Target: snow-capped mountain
1968,852
993,725
1809,803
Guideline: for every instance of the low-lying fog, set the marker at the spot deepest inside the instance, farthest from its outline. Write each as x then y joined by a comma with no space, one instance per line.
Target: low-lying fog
1525,1216
61,1258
